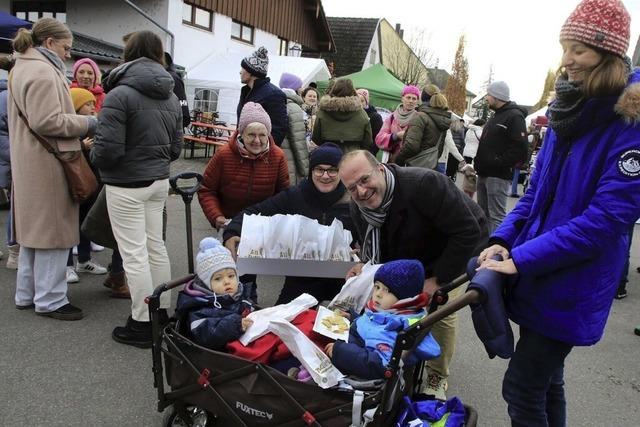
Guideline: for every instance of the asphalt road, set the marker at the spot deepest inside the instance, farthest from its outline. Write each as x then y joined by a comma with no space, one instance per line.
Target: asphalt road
55,373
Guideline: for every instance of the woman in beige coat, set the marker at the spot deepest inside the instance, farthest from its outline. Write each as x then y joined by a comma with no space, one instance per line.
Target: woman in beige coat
45,216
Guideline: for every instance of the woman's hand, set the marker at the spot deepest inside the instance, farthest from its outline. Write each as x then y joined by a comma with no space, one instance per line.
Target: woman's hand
355,271
328,349
87,143
221,222
504,267
491,251
232,244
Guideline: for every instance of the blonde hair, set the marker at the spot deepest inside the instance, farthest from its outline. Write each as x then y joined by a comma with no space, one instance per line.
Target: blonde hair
438,100
608,78
43,29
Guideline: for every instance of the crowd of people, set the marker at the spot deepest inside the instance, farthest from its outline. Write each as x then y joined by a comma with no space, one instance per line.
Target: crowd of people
390,182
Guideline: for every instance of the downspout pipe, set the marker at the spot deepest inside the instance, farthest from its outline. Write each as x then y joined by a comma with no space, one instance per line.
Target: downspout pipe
153,21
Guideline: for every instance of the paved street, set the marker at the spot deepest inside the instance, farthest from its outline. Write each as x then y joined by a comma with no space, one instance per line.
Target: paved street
55,373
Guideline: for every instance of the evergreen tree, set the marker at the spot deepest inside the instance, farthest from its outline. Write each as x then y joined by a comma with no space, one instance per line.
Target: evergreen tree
456,88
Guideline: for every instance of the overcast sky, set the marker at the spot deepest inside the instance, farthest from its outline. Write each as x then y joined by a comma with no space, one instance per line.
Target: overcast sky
520,39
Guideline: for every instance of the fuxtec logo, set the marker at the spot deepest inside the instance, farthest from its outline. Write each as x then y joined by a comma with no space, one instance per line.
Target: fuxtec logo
254,412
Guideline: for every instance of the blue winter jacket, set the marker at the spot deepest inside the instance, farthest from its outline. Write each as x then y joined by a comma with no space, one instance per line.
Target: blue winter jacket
569,233
213,320
274,102
5,159
372,337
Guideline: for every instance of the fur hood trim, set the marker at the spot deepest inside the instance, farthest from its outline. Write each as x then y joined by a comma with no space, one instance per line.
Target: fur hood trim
628,105
346,104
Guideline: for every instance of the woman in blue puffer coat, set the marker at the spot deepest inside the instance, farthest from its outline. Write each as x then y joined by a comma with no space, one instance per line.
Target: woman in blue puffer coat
567,238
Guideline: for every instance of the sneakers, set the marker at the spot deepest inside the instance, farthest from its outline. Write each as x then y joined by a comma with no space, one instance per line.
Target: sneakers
12,259
66,312
436,386
621,292
72,276
90,267
96,247
137,334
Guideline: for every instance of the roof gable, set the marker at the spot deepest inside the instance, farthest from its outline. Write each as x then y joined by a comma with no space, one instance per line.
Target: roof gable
352,37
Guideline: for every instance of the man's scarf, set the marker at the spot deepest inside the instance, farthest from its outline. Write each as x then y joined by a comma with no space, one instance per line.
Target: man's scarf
375,218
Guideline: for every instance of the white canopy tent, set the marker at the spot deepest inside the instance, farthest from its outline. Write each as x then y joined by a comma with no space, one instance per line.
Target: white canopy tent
214,84
535,114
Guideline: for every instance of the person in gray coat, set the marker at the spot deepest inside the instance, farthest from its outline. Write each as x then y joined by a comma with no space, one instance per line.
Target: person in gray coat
295,143
139,133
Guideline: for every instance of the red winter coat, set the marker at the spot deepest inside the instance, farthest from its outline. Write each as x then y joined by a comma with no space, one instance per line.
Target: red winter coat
232,182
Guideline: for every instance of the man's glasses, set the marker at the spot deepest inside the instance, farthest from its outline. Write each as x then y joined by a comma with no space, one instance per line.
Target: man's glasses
318,172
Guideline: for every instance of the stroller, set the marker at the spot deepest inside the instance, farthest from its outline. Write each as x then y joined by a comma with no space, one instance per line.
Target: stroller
211,388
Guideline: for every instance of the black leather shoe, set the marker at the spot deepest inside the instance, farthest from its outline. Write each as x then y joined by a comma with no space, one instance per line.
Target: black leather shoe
25,307
137,334
66,312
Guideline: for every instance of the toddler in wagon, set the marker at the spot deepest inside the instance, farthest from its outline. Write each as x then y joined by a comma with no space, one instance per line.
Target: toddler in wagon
397,302
215,303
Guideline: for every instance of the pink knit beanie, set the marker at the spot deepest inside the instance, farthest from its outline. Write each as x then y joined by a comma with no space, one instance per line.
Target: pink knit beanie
604,24
365,94
252,112
93,65
410,89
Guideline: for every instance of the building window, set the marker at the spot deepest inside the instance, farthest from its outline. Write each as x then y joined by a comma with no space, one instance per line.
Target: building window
197,17
34,10
241,32
206,100
284,47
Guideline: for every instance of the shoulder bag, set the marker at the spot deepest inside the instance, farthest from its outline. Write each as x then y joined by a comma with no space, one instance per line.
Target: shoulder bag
81,180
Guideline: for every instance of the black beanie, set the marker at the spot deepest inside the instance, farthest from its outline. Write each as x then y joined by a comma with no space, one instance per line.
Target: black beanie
326,154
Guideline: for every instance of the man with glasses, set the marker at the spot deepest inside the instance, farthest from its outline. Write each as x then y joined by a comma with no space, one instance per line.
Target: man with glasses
322,197
415,213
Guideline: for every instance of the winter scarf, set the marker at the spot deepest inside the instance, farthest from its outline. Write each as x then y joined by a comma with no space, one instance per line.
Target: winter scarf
565,110
54,59
375,218
402,117
319,199
411,305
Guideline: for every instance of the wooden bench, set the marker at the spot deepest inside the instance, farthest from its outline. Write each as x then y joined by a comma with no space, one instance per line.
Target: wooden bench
190,142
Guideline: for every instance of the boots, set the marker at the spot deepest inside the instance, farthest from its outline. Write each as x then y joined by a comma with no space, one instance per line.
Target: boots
117,282
135,333
12,260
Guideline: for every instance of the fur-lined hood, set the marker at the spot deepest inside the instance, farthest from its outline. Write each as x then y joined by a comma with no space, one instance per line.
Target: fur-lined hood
628,105
344,104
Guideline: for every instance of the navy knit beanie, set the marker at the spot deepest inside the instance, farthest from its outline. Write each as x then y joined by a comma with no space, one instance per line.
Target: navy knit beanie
326,154
404,277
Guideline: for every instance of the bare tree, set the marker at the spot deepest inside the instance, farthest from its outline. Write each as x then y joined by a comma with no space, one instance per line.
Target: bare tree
456,88
547,90
408,61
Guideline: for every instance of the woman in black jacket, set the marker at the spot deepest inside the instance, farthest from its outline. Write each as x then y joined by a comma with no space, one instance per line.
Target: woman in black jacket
322,197
139,133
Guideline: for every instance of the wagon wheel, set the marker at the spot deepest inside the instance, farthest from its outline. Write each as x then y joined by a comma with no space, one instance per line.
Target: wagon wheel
198,417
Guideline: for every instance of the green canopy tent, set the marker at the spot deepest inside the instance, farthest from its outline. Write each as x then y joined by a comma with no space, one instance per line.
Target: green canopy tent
384,89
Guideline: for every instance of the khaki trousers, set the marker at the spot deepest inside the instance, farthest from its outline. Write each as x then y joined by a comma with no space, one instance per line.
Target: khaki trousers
445,332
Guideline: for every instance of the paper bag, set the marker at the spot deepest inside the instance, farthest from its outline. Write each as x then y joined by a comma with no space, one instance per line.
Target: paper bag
279,236
312,358
261,318
331,325
356,291
252,243
306,245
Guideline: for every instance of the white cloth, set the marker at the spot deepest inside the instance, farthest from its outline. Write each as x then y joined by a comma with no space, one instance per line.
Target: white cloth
471,141
42,278
136,220
449,148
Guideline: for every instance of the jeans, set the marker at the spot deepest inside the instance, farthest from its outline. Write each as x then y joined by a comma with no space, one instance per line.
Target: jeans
492,198
442,168
533,385
136,220
514,182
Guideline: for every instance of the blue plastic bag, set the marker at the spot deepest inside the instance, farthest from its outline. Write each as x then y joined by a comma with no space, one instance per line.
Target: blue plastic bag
432,413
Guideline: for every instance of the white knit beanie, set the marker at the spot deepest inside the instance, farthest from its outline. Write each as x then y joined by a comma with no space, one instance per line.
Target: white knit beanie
212,257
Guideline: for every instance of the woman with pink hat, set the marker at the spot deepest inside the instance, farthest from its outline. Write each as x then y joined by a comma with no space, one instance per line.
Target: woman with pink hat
87,75
391,136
